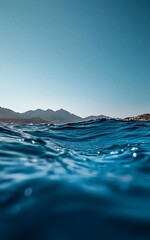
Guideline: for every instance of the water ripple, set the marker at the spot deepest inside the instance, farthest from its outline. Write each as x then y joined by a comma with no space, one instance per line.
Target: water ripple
75,181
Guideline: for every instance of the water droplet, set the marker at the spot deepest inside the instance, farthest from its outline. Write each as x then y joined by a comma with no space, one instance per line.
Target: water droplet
28,192
134,154
133,148
113,152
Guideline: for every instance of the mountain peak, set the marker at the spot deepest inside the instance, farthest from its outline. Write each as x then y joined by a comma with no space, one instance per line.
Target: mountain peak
61,110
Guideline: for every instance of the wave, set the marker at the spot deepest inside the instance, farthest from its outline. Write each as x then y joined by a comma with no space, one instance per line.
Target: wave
75,181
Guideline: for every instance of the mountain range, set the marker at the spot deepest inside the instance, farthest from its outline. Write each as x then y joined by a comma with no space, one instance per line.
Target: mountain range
43,116
55,117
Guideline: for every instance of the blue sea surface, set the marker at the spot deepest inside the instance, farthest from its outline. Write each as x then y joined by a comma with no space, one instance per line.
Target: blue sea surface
83,181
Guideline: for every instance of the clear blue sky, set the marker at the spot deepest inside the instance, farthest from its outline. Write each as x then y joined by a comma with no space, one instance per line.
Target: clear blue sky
86,56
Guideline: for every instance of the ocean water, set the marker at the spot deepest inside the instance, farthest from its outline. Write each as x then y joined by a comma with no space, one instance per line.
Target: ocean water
75,181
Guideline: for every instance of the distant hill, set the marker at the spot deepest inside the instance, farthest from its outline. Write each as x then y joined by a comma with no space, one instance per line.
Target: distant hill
143,117
39,115
7,113
92,117
60,116
57,117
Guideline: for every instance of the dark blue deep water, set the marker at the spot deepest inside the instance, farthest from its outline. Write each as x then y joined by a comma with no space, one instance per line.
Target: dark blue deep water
75,181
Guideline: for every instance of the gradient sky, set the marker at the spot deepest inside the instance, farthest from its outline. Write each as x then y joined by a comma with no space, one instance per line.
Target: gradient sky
86,56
